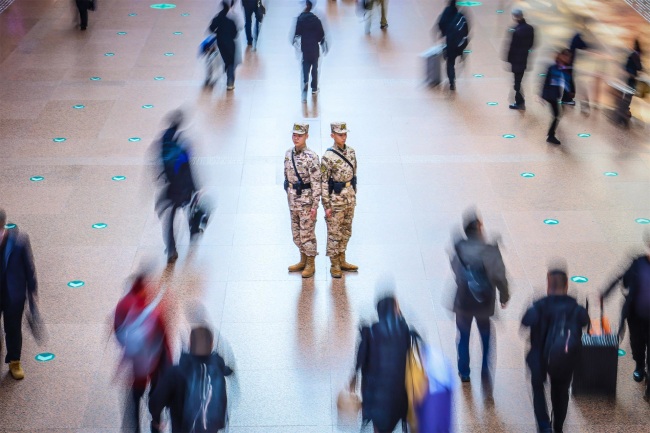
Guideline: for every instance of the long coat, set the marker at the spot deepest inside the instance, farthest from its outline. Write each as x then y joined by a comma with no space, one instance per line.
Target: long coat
226,31
382,360
522,41
20,270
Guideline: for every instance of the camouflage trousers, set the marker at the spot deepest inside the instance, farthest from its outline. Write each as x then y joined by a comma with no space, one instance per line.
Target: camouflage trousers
303,230
339,230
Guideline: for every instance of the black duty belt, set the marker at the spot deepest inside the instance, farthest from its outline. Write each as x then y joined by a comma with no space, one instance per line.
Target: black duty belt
300,185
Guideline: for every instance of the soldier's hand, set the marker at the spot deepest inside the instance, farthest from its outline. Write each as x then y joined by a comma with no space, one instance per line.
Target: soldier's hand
312,214
328,213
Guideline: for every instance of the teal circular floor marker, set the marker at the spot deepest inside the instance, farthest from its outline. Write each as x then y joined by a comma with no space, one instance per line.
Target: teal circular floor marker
169,54
492,103
467,51
185,14
542,75
36,178
78,106
158,78
177,33
468,3
147,106
527,174
10,226
95,78
121,33
75,284
579,279
133,14
478,75
163,6
118,178
44,357
134,139
642,220
551,222
109,54
499,11
621,352
100,225
508,135
584,135
610,174
58,139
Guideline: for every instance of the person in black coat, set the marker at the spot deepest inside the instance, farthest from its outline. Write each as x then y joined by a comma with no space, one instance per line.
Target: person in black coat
83,6
170,392
523,38
450,16
17,285
381,358
178,181
540,317
633,66
309,31
556,84
474,251
226,31
636,310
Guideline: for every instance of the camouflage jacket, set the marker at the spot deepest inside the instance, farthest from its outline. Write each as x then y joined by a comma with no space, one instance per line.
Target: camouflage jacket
332,166
307,164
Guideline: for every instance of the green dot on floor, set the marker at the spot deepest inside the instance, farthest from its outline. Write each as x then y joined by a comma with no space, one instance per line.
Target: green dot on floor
78,106
621,352
95,78
178,33
118,178
584,135
10,226
134,139
147,106
109,54
185,14
610,174
44,357
579,279
642,220
100,225
158,78
527,174
36,178
163,6
75,284
508,135
478,75
58,139
551,222
133,14
169,54
499,11
492,103
467,51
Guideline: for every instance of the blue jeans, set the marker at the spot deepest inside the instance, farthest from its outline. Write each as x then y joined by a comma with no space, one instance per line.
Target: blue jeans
464,325
230,75
308,65
249,13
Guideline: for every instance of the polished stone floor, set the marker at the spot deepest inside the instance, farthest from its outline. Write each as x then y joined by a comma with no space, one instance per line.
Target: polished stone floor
425,155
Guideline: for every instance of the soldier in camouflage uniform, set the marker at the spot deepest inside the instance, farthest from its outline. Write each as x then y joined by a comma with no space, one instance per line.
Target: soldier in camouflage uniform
339,182
302,182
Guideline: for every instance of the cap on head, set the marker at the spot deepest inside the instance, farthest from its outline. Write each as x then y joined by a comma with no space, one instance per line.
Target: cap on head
339,127
517,13
301,128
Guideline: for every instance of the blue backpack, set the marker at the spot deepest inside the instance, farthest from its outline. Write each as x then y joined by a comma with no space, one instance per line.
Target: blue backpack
204,408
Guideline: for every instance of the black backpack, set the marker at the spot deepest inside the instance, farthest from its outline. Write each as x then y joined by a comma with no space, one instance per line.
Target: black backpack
563,341
204,409
174,156
458,34
477,280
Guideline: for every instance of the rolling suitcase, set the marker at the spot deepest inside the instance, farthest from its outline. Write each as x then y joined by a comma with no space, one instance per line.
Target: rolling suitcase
432,62
596,370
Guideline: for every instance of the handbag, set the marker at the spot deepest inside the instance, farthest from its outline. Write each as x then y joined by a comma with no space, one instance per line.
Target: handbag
416,381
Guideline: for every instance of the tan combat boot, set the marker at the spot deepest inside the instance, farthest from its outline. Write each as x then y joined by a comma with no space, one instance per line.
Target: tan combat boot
335,268
16,370
345,266
300,265
310,268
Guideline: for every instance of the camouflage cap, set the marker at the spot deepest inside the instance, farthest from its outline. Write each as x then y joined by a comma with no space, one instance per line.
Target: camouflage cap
300,128
339,127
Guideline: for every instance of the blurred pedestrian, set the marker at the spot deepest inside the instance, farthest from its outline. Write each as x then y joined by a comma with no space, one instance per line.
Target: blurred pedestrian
83,6
302,182
367,8
636,310
310,36
178,182
339,196
523,38
194,390
577,43
555,323
479,271
252,10
381,359
225,28
141,333
633,66
17,285
454,28
556,84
